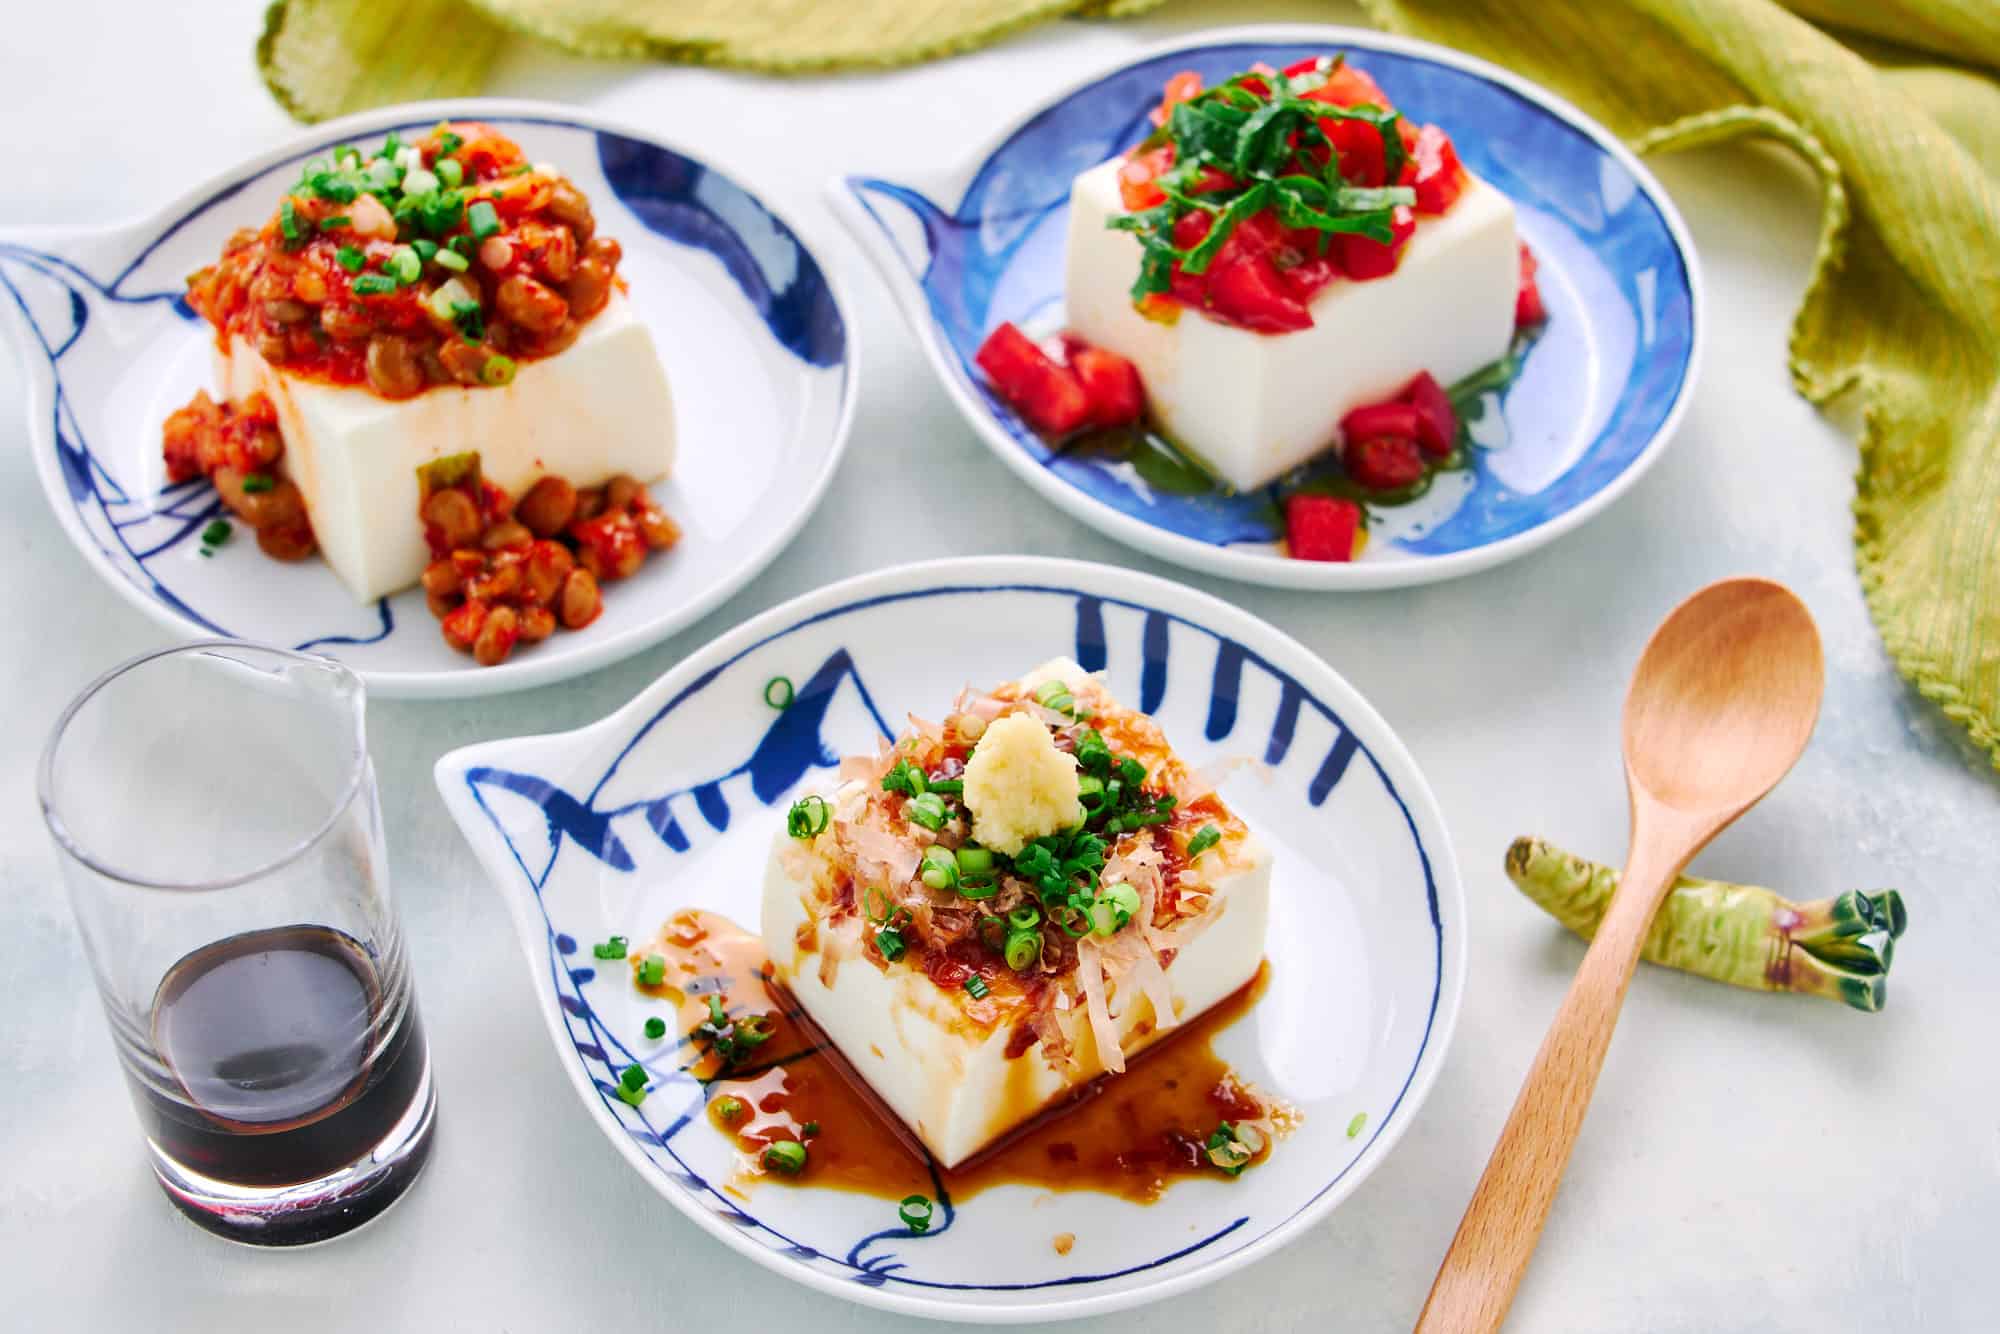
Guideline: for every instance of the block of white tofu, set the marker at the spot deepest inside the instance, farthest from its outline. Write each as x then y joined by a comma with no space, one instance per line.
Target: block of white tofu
959,1081
598,408
1251,406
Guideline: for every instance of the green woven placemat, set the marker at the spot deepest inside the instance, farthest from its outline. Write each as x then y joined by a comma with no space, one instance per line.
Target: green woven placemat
1893,103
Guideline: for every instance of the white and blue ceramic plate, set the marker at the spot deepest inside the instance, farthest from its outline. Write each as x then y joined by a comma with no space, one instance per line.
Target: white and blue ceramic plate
751,327
673,802
1596,401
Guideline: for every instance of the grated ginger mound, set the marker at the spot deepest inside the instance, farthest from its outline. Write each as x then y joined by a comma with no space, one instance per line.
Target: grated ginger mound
1018,786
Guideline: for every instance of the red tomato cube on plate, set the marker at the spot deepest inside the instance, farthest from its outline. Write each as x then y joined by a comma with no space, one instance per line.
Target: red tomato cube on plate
1384,462
1321,527
1439,178
1373,419
1111,383
1437,420
1048,395
1363,257
1528,308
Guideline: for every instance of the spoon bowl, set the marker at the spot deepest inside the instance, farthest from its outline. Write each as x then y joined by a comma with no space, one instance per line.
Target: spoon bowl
1724,697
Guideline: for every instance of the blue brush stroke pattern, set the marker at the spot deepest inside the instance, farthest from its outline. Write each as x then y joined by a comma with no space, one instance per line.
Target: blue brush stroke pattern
999,256
790,748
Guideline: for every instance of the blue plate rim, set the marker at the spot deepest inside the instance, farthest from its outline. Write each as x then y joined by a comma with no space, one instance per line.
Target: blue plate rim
844,192
1114,583
126,244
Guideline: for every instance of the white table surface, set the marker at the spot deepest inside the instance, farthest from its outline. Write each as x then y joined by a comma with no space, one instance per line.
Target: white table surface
1751,1163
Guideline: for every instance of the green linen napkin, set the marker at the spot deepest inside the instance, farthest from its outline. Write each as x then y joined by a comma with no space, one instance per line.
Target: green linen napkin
1893,103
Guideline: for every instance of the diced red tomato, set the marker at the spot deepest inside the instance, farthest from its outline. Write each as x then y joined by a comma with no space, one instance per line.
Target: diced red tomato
1373,419
1181,87
1261,85
1190,227
1135,178
1110,382
1306,66
1359,146
1248,290
1384,463
1349,87
1437,420
1321,527
1362,257
1308,276
1049,396
1439,178
1211,179
1528,308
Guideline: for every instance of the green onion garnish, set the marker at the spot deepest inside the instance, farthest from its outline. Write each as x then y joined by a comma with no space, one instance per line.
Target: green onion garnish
335,223
426,250
1022,949
631,1097
449,171
452,260
288,220
976,889
1024,919
808,817
974,860
809,1130
656,1028
468,319
403,265
1124,900
449,142
392,145
975,986
915,1211
1355,1126
498,370
652,970
875,903
1055,695
351,258
927,810
614,948
257,483
890,942
778,692
633,1076
216,533
951,787
939,869
905,778
1205,838
785,1155
374,284
728,1108
440,212
482,219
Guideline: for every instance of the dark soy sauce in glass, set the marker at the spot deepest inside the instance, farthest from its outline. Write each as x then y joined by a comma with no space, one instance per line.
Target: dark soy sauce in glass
272,1037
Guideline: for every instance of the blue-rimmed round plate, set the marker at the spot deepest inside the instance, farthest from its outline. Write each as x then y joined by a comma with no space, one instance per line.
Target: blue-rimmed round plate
1597,397
673,802
750,326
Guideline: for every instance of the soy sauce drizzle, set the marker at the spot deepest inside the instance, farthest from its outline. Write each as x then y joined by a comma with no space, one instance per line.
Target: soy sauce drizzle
1130,1136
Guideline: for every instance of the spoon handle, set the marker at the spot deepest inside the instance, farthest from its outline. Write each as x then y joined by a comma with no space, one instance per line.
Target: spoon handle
1496,1238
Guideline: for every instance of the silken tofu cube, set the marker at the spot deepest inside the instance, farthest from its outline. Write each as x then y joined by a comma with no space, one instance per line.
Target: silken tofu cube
952,1067
598,408
1252,406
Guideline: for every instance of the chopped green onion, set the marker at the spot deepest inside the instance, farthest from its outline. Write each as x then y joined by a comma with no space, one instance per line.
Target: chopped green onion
614,948
482,219
336,222
468,319
875,904
1205,838
1103,917
973,859
520,169
374,284
656,1028
392,144
426,250
785,1155
381,175
419,181
653,970
1092,753
449,171
631,1097
951,787
257,483
1227,1151
351,258
890,942
927,810
452,260
498,370
1055,695
1090,790
717,1016
404,265
975,986
1024,919
939,869
915,1211
288,219
1355,1126
447,141
440,212
778,692
1124,900
633,1076
809,1130
808,817
904,778
1022,949
983,887
728,1108
216,533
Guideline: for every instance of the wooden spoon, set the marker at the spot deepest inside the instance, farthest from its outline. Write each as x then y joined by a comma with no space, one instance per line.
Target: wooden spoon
1719,708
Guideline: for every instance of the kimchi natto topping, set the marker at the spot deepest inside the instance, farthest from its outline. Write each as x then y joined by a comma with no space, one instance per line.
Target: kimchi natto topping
1072,916
443,259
